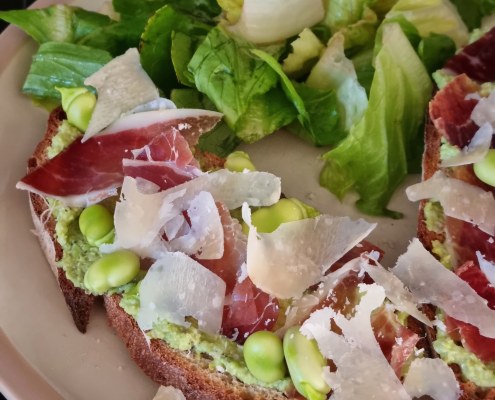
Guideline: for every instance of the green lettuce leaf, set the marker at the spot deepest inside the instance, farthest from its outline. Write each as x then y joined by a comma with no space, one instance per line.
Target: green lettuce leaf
334,71
156,44
378,152
59,23
131,9
62,65
115,38
432,16
342,13
434,50
306,50
473,11
240,86
318,116
221,140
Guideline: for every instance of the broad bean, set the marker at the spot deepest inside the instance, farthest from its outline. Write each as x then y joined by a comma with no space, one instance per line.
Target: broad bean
305,363
78,104
264,356
96,224
485,169
111,271
238,161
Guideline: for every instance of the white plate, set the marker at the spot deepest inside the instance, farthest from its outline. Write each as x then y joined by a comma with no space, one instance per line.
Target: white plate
33,313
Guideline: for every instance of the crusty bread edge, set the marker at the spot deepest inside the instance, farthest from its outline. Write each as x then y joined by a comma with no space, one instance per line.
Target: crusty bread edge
78,301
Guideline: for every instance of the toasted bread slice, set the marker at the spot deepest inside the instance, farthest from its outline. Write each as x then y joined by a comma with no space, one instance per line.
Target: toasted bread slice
185,371
79,302
431,163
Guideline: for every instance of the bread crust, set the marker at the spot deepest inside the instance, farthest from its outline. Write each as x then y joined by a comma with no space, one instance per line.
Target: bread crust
167,366
78,301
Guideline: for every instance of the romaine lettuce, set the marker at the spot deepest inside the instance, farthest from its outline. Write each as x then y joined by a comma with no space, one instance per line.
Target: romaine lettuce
473,11
240,85
376,155
156,44
432,16
62,65
58,23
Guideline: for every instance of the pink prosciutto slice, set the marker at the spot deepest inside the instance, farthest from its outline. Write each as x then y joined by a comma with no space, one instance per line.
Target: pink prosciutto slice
86,173
247,309
476,60
451,108
164,174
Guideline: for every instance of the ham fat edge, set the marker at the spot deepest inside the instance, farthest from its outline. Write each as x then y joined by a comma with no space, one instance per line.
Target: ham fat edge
366,320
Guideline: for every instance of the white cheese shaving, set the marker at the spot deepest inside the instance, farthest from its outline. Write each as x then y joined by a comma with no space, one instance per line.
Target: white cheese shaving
431,282
297,254
176,287
475,151
168,393
161,103
205,238
431,377
459,200
122,84
402,299
484,111
487,267
140,220
235,188
363,372
301,308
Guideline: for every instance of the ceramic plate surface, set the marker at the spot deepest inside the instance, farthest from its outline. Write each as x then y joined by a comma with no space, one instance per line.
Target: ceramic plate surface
33,314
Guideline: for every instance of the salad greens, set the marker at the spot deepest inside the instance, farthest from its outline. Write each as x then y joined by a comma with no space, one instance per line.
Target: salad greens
358,80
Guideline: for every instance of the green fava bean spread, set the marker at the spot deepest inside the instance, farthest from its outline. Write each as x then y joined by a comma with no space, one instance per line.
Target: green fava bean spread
264,356
111,271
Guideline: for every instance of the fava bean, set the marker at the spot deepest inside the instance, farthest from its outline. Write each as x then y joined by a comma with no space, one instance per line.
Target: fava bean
111,271
305,363
238,161
268,219
264,356
78,104
96,224
485,169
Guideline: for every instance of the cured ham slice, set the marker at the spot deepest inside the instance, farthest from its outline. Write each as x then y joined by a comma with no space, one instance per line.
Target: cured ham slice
85,173
164,174
451,109
247,309
476,60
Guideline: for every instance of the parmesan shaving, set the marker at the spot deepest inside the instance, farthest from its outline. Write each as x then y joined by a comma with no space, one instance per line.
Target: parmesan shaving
459,200
297,254
402,299
431,377
475,151
484,111
362,370
176,287
431,282
487,267
168,393
122,85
